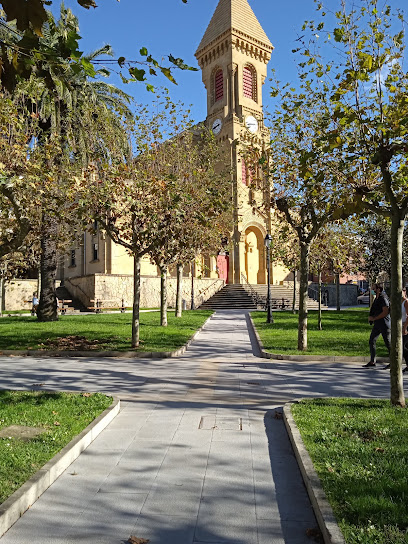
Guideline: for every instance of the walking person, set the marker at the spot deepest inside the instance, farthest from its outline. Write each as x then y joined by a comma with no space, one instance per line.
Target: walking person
35,303
379,318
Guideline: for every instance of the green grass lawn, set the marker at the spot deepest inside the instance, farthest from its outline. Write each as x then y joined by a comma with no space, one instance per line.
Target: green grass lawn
62,416
344,333
359,450
105,331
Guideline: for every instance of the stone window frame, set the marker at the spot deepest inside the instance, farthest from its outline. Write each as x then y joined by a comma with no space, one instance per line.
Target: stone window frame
218,71
253,92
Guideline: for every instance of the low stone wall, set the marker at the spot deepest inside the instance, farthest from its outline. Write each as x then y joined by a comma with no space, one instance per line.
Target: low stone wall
348,293
111,289
16,292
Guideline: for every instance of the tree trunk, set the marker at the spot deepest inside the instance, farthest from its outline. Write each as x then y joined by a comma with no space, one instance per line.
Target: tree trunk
294,293
319,300
179,295
163,296
47,308
397,388
1,295
304,273
338,291
136,302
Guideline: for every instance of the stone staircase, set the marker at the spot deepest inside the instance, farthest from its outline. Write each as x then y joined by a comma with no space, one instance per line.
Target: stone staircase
279,292
229,297
73,307
253,297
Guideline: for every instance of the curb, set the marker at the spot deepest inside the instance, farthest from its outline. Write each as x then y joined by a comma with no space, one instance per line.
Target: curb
21,500
118,354
321,506
326,358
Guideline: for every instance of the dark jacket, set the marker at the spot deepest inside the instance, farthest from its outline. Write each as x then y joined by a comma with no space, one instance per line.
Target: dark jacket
377,308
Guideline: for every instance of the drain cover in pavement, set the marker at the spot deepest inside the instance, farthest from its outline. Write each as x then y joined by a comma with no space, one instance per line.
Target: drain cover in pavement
21,431
223,423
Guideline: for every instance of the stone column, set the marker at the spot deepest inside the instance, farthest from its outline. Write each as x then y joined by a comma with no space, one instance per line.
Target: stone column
232,99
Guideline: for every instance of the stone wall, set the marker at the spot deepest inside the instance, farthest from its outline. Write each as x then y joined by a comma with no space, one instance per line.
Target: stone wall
111,289
16,292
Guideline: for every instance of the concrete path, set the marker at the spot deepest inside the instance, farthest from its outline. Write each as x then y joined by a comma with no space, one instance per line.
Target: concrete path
198,453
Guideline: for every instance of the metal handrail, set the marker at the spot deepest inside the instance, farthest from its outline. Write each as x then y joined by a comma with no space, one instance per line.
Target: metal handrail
257,299
68,280
312,293
209,286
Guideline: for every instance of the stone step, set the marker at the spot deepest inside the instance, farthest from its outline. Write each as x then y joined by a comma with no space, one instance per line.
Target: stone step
72,307
238,296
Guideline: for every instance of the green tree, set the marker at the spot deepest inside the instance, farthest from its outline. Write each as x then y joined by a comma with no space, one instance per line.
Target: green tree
199,207
336,250
16,175
375,237
69,113
308,182
151,204
31,14
131,200
23,50
368,89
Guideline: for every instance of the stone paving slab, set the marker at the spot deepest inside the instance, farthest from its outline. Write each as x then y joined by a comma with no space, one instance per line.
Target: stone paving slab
14,507
163,477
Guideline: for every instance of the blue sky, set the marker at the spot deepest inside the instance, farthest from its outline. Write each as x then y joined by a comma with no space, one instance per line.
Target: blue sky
170,26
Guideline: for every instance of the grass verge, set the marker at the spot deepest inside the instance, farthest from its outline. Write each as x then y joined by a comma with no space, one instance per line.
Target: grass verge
59,417
101,331
359,450
344,333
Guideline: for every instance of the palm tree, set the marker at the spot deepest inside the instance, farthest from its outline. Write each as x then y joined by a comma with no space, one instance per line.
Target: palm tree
82,118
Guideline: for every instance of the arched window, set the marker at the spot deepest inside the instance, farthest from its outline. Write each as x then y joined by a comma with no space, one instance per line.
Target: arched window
249,82
218,85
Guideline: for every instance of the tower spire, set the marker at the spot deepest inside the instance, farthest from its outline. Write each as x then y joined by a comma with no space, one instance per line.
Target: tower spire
236,16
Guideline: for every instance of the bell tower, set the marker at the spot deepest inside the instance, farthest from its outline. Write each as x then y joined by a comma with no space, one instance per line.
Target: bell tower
233,56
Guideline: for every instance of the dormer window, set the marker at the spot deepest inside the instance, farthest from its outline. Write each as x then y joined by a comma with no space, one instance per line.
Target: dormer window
249,82
217,85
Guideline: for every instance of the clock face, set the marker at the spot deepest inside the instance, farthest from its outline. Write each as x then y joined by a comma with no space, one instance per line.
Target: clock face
216,126
251,124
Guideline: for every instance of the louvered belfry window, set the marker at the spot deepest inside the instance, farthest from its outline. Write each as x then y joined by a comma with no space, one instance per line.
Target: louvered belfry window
247,174
249,81
219,85
244,173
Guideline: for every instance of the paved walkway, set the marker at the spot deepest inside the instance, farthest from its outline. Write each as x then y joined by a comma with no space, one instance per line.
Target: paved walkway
196,455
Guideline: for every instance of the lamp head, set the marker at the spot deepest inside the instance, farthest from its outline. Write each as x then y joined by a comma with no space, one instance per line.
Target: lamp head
268,240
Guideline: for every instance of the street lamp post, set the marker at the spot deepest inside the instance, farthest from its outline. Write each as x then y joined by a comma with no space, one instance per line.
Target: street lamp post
267,242
192,286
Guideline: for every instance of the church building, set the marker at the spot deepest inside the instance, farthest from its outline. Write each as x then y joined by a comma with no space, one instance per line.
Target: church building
233,56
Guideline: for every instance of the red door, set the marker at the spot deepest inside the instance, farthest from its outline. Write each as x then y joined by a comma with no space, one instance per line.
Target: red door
222,267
